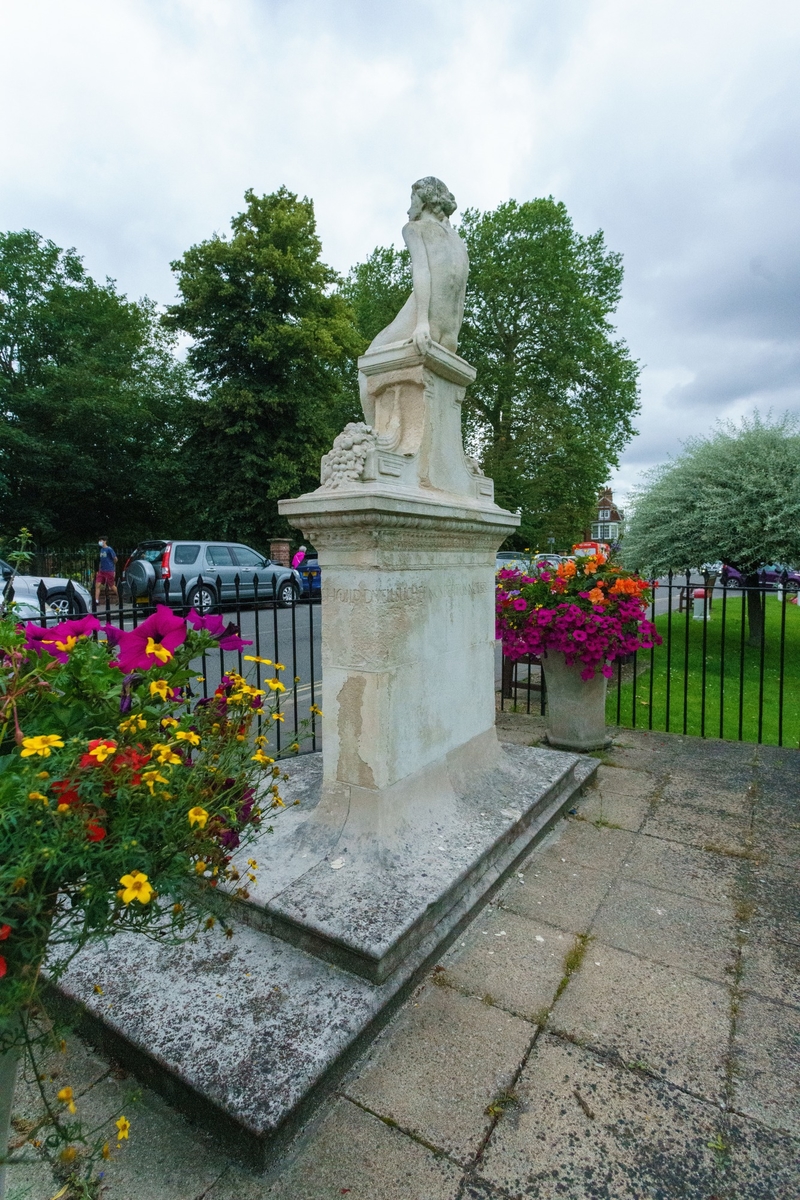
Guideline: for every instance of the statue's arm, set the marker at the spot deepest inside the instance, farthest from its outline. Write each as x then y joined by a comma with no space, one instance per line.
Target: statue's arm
421,279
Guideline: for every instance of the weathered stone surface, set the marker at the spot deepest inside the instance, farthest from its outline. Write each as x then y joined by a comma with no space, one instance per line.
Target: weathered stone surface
399,871
670,1023
442,1064
761,1164
680,789
509,961
778,841
767,1050
676,930
562,894
701,827
643,1139
357,1154
624,807
681,868
586,845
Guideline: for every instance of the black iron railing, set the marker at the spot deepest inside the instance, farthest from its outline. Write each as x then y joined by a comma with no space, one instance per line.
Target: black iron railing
728,665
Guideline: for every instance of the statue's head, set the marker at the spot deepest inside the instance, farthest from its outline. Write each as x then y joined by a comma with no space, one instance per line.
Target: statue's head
431,193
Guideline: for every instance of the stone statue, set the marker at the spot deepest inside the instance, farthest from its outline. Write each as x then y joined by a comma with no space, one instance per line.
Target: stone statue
439,267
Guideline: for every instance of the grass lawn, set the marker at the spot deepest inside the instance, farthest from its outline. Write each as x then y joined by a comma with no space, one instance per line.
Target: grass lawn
760,704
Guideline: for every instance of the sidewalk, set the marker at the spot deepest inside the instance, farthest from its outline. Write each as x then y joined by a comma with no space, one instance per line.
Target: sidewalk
623,1021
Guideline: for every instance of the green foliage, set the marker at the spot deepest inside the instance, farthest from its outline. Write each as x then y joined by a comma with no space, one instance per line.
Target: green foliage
553,403
378,288
273,349
94,403
733,496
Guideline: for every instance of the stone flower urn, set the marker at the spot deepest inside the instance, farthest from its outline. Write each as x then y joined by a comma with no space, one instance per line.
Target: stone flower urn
576,708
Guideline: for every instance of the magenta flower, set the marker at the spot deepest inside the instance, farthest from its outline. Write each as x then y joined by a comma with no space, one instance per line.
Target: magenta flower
57,640
227,637
520,605
162,629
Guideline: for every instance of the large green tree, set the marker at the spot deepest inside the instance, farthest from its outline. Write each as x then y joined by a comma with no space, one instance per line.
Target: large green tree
556,391
93,401
273,350
733,496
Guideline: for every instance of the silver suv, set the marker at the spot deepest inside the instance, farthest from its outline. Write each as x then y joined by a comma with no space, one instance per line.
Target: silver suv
208,575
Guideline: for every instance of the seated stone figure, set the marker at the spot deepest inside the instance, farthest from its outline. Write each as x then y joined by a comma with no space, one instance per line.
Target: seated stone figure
439,267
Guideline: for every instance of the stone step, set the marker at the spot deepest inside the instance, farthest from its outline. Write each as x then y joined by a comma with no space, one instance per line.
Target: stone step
246,1035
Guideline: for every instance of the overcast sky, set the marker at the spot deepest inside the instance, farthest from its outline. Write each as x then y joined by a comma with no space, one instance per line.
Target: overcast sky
133,127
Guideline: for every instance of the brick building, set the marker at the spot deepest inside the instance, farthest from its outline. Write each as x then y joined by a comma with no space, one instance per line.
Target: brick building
608,525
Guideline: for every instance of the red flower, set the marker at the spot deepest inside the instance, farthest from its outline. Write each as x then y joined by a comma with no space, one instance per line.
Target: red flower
2,966
130,759
5,930
65,791
94,832
100,750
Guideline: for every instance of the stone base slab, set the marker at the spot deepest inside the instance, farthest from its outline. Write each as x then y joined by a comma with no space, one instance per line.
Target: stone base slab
246,1035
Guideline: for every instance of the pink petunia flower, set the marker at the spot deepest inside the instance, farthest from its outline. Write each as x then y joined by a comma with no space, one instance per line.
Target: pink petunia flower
227,636
56,639
163,628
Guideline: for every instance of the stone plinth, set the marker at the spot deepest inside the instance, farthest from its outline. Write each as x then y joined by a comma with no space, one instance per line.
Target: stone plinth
406,533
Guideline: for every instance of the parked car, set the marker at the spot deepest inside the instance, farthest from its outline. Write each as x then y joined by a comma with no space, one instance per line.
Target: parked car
206,573
311,576
510,560
768,576
26,594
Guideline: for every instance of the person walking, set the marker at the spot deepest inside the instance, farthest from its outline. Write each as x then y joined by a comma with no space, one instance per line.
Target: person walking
106,573
298,558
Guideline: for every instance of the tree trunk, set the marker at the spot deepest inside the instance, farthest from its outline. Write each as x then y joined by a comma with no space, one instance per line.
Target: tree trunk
755,610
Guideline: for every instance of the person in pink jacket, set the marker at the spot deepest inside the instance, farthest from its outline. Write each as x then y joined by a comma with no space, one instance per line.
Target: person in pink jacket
298,558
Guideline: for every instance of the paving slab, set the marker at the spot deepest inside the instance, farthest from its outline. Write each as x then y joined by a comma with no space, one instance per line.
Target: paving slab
561,894
767,1052
771,964
602,806
439,1066
679,931
355,1154
778,841
672,1024
586,845
680,790
623,781
509,961
762,1164
681,868
699,827
585,1128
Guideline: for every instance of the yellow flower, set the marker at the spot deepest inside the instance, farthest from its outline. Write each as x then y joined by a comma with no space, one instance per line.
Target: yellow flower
158,651
43,745
251,862
153,777
136,887
267,662
200,866
102,751
66,1097
68,645
62,808
262,759
187,735
276,685
261,740
279,667
37,796
277,716
277,802
316,710
106,1152
165,754
198,816
200,678
295,746
131,724
168,722
42,775
68,1154
160,687
123,1126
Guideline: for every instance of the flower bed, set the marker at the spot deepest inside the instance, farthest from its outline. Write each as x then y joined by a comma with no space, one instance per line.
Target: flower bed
591,610
122,796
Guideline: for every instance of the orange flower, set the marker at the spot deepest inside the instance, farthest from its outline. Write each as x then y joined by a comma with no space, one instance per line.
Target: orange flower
566,570
596,596
628,587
